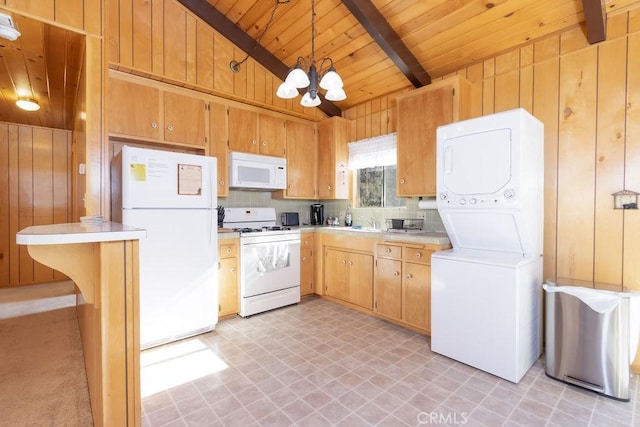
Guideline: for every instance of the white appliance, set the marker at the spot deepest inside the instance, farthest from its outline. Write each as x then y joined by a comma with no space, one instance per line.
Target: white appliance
255,171
486,292
269,260
172,196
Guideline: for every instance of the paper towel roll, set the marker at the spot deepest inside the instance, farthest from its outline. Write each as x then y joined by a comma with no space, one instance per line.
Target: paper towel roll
427,204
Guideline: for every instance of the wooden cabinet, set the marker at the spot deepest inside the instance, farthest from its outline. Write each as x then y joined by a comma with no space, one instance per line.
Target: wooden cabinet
333,180
218,135
420,112
348,276
307,270
148,112
228,285
402,285
251,132
301,162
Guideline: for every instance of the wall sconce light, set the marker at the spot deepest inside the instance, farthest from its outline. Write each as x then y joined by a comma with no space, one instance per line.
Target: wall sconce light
28,104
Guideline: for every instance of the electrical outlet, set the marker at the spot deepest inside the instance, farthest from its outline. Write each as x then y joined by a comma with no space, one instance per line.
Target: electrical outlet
421,215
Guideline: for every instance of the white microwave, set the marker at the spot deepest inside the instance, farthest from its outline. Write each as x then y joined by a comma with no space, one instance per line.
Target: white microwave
254,171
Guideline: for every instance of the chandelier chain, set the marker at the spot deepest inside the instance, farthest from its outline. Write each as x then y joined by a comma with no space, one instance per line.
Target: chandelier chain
313,33
235,65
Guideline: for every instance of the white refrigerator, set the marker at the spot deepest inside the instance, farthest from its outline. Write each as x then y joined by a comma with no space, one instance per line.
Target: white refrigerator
173,196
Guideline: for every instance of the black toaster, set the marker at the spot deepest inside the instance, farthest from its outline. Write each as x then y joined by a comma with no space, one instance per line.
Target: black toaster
289,218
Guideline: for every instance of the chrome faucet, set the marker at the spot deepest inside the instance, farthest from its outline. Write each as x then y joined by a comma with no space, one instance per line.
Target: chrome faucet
371,221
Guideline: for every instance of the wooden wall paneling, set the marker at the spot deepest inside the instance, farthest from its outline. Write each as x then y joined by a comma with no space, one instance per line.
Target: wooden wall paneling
93,16
269,88
175,41
43,9
573,40
631,255
204,55
25,197
70,12
488,87
474,74
61,182
14,203
633,20
526,78
222,55
191,53
42,203
142,38
97,174
507,81
546,80
610,134
112,43
157,36
239,87
617,26
259,83
5,207
250,80
125,35
576,164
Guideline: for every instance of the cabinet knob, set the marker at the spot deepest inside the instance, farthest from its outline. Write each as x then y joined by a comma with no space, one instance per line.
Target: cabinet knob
409,276
221,182
154,125
233,270
350,262
401,180
264,143
254,142
388,250
396,273
344,262
170,127
228,250
418,254
304,258
328,187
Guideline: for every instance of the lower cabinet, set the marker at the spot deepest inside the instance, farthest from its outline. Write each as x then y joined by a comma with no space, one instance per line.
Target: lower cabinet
402,284
349,276
307,272
228,285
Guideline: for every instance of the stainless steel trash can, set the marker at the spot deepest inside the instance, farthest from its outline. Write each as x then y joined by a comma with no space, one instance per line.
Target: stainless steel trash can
587,339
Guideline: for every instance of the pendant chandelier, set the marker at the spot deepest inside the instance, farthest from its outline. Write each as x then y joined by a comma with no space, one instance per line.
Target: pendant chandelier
299,79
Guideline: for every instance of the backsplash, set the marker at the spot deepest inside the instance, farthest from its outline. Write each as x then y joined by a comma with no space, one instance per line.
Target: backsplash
249,199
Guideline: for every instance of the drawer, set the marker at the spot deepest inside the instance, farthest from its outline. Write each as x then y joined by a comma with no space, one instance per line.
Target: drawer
389,251
419,255
227,250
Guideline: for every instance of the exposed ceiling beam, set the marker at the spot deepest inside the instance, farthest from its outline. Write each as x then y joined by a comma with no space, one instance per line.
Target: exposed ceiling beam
594,18
386,37
238,37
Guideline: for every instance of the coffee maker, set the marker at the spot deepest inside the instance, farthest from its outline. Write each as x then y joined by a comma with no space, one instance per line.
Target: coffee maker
317,214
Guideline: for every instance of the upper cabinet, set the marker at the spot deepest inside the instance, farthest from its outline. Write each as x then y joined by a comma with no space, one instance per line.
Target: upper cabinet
252,132
301,162
147,111
333,180
218,136
420,112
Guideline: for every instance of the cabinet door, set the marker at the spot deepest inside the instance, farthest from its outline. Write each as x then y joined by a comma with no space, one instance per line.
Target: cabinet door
361,279
218,144
184,118
333,180
301,161
306,271
243,130
272,136
416,295
388,287
228,286
133,109
336,274
419,115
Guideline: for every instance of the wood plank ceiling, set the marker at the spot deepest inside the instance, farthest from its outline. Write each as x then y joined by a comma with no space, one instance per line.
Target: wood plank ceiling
378,46
43,63
442,35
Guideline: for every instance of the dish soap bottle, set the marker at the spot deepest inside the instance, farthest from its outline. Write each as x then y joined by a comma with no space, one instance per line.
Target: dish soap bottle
347,217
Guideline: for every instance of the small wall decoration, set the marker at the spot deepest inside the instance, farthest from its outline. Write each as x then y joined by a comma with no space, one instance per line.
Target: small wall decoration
625,199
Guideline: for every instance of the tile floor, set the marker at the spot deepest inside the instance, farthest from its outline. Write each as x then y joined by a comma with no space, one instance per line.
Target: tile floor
321,364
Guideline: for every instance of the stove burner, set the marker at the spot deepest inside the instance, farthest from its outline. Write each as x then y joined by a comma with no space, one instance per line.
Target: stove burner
246,230
275,228
258,230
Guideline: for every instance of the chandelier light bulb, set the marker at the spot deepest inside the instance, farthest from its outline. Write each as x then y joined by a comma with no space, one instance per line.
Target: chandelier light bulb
286,91
297,78
336,94
331,80
308,101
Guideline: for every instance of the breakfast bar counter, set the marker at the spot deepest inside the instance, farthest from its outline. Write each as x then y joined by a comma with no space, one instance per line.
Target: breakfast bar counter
102,259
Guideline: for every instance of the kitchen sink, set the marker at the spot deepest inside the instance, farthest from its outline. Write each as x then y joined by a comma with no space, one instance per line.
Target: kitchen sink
366,229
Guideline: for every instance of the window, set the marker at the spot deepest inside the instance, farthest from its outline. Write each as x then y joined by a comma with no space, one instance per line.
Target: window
373,162
376,187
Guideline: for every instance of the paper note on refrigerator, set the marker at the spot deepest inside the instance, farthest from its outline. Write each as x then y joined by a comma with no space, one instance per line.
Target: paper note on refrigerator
138,171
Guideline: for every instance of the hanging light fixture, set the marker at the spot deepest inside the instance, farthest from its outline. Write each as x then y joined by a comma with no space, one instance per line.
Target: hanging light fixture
298,79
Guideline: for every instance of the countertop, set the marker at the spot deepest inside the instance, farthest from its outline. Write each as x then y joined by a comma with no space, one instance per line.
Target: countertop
434,238
78,232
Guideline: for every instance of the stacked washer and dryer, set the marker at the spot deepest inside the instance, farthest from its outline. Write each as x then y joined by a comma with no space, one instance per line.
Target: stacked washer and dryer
486,295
